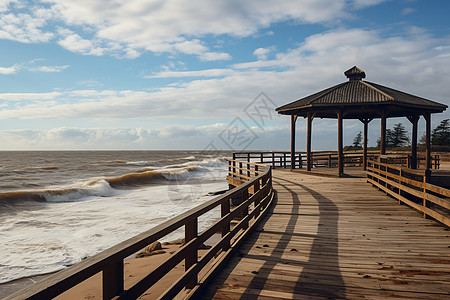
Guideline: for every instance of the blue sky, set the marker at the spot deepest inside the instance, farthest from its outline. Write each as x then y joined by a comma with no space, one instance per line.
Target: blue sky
137,74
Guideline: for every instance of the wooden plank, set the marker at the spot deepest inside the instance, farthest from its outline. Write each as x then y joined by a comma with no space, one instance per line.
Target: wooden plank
328,235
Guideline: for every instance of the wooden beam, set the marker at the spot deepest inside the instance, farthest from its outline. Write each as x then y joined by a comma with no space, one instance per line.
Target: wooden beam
414,119
340,144
293,120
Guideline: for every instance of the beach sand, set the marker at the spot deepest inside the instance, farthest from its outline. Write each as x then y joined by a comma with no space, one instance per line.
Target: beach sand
134,270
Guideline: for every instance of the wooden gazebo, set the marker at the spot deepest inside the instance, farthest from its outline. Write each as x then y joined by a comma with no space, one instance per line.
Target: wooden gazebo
363,100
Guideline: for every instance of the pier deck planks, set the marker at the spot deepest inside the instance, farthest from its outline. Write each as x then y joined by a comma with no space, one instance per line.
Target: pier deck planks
329,238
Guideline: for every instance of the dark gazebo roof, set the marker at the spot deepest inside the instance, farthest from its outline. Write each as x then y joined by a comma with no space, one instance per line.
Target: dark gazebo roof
359,99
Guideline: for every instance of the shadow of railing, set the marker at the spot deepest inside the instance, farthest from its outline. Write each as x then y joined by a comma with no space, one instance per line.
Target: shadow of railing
323,251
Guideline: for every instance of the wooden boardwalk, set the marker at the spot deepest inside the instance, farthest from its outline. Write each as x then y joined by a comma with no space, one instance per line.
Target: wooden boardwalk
329,238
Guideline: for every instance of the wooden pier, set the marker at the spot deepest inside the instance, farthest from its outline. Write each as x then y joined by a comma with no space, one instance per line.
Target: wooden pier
329,238
285,234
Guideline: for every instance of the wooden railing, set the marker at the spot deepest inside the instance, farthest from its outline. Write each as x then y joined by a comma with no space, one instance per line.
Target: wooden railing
329,159
412,188
405,160
282,159
256,194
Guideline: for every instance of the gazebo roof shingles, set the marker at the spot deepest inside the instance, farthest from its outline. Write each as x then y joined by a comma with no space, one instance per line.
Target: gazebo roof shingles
356,92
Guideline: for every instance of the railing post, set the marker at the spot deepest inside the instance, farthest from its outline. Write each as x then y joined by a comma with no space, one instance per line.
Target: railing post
191,231
426,178
248,172
273,160
112,280
245,210
284,157
240,168
399,189
256,189
256,170
225,209
329,160
248,157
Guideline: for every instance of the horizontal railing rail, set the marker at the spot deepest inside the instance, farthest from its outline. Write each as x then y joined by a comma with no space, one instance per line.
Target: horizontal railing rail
282,159
412,188
111,261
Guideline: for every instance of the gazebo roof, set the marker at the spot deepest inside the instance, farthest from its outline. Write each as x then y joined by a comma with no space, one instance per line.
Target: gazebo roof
360,99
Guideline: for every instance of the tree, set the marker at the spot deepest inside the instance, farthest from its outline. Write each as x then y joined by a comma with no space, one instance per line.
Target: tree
357,140
441,134
396,137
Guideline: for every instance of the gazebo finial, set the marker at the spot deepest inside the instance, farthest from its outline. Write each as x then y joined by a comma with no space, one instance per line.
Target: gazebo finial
355,73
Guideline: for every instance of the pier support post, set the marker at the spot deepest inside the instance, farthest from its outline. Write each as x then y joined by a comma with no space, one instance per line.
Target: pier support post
366,129
414,120
293,120
340,144
428,140
383,133
308,142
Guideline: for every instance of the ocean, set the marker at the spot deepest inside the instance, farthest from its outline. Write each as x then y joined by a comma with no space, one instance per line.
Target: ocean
59,207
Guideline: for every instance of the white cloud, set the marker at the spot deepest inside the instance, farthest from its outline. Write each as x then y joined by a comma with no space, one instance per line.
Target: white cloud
24,28
261,53
9,70
365,3
212,56
415,64
73,42
49,69
201,73
29,96
128,28
407,11
167,137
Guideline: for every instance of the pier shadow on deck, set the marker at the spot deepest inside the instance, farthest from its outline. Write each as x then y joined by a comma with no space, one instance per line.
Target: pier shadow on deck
274,256
331,238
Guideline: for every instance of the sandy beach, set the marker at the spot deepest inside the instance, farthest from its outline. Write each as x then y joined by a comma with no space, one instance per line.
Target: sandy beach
134,270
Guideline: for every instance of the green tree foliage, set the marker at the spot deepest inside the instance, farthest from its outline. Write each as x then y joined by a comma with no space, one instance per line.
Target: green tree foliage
440,135
396,137
357,140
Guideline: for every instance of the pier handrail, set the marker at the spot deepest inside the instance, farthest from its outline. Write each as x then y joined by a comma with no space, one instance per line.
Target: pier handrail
282,159
411,187
256,194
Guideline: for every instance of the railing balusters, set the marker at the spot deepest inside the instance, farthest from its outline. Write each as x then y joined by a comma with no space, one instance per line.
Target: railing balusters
225,210
417,193
191,231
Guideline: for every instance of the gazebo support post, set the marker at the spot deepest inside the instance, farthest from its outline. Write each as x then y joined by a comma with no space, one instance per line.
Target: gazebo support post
308,142
340,144
293,120
428,139
414,119
366,129
383,133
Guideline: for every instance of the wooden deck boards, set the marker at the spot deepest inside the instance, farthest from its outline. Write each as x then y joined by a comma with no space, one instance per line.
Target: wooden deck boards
328,238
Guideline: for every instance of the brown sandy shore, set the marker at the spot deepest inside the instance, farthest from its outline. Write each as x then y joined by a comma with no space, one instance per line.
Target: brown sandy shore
134,270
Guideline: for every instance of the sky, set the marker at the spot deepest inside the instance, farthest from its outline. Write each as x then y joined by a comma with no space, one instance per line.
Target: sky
205,75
